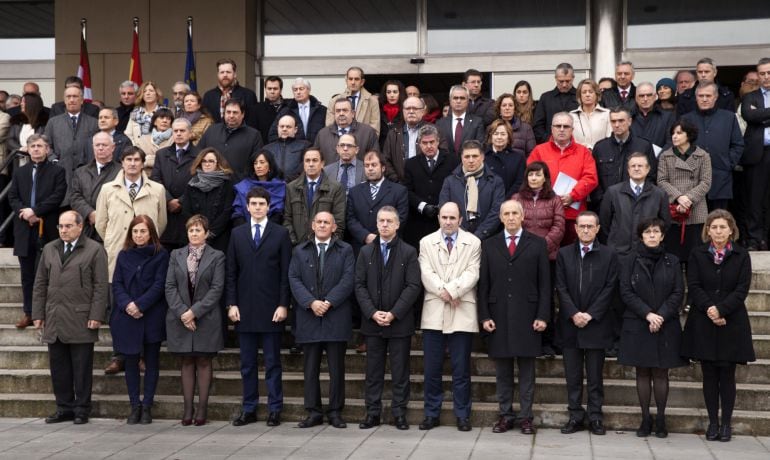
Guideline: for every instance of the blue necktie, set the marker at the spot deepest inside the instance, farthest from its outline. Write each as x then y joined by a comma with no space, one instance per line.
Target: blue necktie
384,250
344,177
310,194
257,236
34,186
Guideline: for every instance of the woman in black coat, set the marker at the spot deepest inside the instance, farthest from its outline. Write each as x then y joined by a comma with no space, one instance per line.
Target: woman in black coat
718,332
210,193
137,322
652,288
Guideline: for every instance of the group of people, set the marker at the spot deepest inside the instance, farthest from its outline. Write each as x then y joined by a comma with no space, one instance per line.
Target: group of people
368,216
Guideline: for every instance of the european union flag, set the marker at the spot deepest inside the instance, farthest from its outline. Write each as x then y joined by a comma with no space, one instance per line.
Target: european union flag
189,68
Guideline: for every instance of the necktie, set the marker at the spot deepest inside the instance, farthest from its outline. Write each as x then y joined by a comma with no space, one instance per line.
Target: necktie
74,120
431,164
132,192
321,256
585,250
511,245
352,100
449,244
344,177
257,236
32,199
179,153
374,188
310,194
384,250
67,252
638,190
458,135
623,94
303,116
99,170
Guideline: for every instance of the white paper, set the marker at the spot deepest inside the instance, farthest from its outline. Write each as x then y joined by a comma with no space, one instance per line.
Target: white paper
564,185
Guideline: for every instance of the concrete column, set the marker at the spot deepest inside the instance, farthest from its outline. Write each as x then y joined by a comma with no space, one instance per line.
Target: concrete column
606,39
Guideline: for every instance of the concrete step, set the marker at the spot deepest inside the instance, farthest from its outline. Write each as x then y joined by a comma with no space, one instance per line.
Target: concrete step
547,391
10,312
10,292
620,418
36,357
760,322
758,300
10,336
10,274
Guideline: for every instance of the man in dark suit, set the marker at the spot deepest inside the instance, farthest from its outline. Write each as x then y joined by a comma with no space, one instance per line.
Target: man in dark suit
345,123
69,131
755,109
257,298
37,190
563,98
624,95
107,122
706,70
365,199
228,88
478,105
234,139
387,287
424,176
127,91
460,125
586,278
60,107
322,276
172,169
348,170
268,109
309,114
514,308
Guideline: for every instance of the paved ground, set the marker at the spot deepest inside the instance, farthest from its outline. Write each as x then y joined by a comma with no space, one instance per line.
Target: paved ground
164,439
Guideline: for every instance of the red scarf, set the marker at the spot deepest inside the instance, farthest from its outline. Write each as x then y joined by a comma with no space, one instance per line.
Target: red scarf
391,110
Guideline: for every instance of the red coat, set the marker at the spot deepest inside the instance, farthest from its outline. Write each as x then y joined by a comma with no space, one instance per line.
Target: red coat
577,162
544,218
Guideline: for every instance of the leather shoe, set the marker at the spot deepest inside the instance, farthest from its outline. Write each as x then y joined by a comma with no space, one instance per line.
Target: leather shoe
24,322
244,418
572,426
597,428
429,423
725,433
58,417
660,428
337,422
370,422
135,415
401,423
310,422
645,428
361,348
712,433
463,424
502,425
146,416
527,427
274,419
115,366
80,420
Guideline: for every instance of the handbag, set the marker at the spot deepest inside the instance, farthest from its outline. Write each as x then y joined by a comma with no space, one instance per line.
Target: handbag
681,217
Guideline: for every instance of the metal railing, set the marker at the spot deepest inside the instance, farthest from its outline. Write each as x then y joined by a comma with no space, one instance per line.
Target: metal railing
18,154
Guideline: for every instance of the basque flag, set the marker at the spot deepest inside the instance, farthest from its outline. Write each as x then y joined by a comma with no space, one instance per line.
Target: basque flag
84,70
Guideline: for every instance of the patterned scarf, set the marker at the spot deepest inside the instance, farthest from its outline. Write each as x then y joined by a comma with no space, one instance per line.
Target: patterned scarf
226,92
193,259
158,137
719,256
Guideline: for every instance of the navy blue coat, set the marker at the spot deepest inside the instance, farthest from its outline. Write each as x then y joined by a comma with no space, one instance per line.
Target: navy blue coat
316,120
361,210
140,277
720,135
509,165
257,277
491,196
335,285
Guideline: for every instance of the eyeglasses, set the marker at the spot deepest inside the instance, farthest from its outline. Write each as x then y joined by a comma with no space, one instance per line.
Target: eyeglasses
346,146
562,126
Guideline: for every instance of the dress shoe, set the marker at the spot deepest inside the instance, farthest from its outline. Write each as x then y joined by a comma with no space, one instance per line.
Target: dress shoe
310,422
337,422
401,423
645,428
295,350
502,425
135,415
725,433
80,420
527,427
429,423
572,426
361,348
115,366
146,416
24,322
463,424
58,417
611,352
597,428
274,419
200,421
244,418
712,433
548,352
370,422
660,427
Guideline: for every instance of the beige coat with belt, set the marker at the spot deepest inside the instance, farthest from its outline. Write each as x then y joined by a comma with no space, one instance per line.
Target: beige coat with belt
115,211
367,109
458,273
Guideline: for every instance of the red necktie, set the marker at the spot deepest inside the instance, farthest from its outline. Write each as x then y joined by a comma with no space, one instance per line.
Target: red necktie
458,135
512,245
623,94
449,245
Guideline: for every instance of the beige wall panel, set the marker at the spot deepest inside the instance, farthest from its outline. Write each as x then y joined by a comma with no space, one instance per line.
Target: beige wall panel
109,25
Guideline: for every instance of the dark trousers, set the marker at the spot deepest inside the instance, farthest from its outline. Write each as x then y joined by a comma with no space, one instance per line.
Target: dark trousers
335,358
28,266
504,386
271,350
459,343
72,366
377,348
151,374
757,189
574,360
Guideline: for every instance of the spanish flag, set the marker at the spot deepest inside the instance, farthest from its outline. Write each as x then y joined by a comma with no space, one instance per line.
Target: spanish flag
135,70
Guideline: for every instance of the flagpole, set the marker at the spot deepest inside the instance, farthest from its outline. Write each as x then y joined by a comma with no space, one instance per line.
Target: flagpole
136,24
83,22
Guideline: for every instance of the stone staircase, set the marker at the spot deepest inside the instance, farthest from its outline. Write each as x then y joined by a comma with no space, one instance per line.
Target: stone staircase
25,386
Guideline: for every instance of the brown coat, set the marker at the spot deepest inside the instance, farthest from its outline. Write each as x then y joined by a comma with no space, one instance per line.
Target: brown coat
691,178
